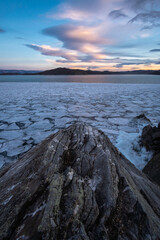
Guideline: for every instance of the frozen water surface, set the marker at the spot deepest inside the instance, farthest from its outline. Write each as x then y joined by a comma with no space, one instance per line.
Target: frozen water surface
30,111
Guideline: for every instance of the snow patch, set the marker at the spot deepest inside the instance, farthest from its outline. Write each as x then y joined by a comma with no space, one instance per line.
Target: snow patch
128,145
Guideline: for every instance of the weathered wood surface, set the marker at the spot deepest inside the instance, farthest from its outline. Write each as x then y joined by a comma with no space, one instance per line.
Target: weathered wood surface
76,185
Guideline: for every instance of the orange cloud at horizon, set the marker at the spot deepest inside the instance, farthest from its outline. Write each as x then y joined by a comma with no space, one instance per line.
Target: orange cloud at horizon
102,66
140,67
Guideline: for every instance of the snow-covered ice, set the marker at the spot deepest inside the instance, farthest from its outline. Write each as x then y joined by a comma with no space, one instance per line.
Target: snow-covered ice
31,111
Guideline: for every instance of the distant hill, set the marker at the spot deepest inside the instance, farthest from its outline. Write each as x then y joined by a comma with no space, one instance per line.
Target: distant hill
67,71
16,72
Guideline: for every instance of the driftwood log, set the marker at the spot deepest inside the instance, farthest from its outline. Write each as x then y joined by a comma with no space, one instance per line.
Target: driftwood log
76,185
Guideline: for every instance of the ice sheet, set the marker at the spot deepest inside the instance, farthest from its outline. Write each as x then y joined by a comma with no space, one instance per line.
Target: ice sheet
29,112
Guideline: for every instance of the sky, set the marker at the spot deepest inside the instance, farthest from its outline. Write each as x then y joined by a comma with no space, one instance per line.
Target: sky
115,35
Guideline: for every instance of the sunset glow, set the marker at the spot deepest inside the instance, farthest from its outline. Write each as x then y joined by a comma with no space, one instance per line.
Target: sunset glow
104,35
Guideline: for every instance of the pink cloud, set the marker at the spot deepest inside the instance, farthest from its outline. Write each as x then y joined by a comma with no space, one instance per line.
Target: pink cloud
57,52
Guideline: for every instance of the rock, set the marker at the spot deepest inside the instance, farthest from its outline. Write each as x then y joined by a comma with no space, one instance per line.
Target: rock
152,169
76,185
20,124
143,116
139,122
156,135
151,138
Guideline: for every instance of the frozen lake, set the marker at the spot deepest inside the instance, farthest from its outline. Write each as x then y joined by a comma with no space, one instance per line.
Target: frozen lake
133,79
31,110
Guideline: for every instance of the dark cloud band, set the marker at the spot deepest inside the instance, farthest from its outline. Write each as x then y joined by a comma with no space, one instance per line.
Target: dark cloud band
155,50
2,30
117,14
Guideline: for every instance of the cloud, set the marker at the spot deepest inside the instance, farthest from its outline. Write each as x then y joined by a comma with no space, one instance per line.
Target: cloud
120,65
112,64
144,35
68,55
127,45
85,11
147,13
96,33
89,5
151,18
77,33
104,5
56,52
147,17
155,50
117,14
123,54
2,30
90,43
71,58
139,5
89,54
151,26
136,62
82,65
78,37
68,13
